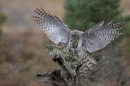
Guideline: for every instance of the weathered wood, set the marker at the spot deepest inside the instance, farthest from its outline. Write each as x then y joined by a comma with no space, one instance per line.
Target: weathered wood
70,64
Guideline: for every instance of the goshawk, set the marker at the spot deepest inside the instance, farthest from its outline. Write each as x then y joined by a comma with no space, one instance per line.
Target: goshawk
91,40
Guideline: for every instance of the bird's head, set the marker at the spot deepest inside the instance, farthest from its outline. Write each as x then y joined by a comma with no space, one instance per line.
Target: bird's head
74,32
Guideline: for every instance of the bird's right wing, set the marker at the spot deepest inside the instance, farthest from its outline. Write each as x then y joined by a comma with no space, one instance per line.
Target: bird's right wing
53,27
101,35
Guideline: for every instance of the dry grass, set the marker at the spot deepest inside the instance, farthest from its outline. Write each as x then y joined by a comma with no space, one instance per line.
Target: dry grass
125,5
21,55
20,12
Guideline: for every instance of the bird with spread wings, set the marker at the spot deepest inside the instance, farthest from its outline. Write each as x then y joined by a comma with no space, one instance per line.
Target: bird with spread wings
91,40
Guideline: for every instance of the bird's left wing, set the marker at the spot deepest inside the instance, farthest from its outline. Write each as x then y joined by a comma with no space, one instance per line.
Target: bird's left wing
100,35
53,27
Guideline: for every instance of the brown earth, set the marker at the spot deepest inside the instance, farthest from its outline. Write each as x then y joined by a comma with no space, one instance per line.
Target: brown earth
21,55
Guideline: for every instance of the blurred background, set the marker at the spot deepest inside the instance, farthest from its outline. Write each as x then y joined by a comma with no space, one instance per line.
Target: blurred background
22,41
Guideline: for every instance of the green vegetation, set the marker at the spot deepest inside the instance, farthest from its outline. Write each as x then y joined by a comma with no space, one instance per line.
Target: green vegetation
84,14
2,20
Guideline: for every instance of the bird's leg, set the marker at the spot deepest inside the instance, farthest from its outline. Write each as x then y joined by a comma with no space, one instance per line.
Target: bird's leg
79,45
61,45
76,42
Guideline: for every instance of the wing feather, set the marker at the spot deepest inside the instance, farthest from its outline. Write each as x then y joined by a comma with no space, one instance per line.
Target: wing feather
100,35
53,27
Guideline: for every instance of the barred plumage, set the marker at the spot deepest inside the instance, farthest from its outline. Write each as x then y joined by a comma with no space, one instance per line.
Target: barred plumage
91,40
52,26
101,35
86,62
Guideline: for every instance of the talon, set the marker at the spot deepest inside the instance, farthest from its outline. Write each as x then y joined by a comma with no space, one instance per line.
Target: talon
61,45
76,42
